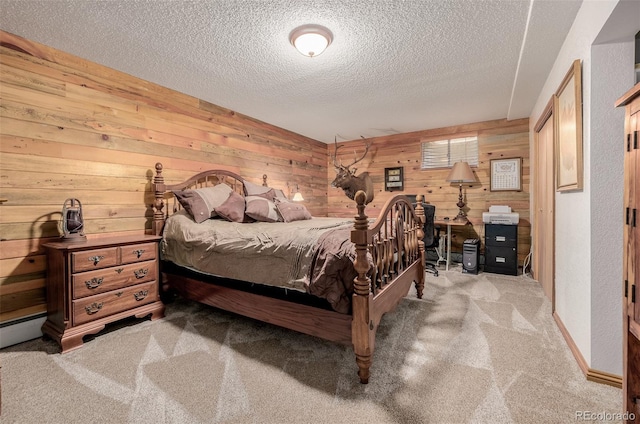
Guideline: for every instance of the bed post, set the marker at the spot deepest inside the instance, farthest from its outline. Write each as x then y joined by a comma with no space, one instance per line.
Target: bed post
362,327
158,204
423,258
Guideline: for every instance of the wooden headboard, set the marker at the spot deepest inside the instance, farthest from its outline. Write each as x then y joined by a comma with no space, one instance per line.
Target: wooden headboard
164,192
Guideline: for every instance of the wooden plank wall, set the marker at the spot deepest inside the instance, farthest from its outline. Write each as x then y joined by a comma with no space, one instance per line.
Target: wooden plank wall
496,139
72,128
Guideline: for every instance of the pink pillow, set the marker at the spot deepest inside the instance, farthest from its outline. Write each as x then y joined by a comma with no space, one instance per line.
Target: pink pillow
233,208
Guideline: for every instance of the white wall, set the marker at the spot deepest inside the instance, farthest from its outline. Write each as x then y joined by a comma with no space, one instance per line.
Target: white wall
589,222
612,75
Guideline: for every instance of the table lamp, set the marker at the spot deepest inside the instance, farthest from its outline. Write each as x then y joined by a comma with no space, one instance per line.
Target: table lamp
461,173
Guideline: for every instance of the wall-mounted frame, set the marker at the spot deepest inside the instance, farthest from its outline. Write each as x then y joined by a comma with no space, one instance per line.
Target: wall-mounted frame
506,174
567,106
393,179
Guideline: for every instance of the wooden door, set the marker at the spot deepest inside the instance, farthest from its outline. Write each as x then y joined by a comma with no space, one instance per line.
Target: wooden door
543,264
632,235
631,255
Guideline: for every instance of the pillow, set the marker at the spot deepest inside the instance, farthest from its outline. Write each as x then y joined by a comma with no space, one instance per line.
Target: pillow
233,208
201,202
261,209
292,211
280,194
252,189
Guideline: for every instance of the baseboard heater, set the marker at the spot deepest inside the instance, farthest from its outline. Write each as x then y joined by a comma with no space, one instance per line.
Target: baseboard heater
21,330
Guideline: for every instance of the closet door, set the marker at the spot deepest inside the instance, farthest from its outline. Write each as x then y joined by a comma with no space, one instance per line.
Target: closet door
544,224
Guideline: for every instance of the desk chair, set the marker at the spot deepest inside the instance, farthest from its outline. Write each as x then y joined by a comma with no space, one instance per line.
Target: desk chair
431,237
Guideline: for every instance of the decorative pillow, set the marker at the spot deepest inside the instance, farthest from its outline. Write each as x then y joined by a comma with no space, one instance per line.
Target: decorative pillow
280,194
261,209
292,211
252,189
201,202
233,208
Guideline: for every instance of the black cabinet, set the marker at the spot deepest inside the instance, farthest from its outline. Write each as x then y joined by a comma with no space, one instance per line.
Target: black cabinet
501,249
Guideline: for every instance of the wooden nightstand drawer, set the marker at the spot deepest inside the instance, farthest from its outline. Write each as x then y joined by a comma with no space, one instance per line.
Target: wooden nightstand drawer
138,252
102,305
103,280
94,259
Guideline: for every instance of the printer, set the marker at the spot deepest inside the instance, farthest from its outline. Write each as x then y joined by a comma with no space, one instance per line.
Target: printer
500,215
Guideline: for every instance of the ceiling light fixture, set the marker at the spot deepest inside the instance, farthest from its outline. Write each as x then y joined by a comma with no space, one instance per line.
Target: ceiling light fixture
311,40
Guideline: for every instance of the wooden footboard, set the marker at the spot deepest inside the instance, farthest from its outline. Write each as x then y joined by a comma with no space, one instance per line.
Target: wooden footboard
389,257
395,244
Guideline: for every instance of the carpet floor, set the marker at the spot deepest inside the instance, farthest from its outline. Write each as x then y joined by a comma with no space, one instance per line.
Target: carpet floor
476,349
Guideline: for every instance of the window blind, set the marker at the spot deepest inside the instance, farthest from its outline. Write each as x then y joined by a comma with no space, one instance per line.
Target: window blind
444,153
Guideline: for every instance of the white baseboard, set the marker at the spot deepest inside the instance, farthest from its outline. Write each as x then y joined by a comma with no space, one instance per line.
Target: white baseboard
22,330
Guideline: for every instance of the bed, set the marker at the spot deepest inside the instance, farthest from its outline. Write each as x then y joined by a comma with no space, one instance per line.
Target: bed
385,256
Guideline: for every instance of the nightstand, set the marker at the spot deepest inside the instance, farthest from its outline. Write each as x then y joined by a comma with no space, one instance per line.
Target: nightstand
95,282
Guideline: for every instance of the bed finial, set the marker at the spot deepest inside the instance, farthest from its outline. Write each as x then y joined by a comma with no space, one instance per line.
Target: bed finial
264,180
359,238
158,204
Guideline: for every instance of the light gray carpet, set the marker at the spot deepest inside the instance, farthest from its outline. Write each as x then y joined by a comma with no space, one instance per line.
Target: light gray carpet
476,349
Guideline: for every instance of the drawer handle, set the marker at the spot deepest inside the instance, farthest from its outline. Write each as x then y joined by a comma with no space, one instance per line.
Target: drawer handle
138,252
93,308
119,294
141,294
141,273
119,270
95,259
94,282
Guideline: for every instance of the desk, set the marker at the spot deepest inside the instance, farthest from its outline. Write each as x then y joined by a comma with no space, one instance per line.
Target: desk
449,223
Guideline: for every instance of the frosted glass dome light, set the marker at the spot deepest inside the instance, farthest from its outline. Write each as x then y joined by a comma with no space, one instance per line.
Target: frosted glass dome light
311,40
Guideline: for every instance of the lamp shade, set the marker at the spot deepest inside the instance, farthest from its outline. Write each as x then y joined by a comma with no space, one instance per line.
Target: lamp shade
297,197
461,173
311,40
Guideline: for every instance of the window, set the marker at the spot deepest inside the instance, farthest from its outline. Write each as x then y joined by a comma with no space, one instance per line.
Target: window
444,153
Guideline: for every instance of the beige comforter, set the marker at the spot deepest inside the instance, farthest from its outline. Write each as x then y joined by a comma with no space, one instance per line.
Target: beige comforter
278,254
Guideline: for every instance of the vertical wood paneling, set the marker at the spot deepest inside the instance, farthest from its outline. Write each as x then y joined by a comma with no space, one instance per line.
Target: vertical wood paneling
496,139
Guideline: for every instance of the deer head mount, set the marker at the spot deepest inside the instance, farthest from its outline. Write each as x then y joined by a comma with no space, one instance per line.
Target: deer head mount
346,178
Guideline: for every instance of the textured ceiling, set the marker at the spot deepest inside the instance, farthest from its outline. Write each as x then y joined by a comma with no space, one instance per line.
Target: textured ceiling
393,67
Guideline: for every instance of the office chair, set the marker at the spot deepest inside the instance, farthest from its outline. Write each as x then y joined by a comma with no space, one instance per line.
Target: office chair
431,237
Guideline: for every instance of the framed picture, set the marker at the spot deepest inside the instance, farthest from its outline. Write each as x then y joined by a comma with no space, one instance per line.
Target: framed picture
393,179
567,107
506,174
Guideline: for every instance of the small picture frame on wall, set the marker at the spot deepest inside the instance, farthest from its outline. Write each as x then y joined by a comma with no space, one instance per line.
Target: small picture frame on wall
393,179
506,174
567,106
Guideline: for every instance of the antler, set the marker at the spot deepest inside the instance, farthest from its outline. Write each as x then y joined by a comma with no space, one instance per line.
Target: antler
366,149
335,154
